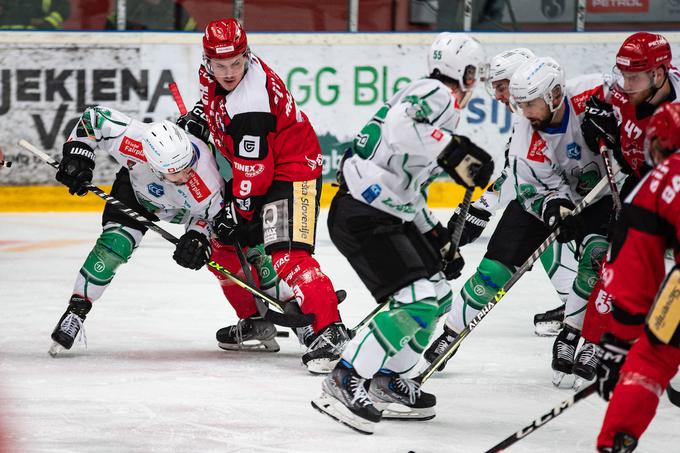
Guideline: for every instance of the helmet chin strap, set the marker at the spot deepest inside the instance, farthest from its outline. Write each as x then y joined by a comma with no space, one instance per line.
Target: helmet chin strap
655,89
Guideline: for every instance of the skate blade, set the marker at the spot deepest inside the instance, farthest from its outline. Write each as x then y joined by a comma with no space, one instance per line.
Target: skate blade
252,346
580,382
397,411
330,406
560,382
547,329
56,349
321,366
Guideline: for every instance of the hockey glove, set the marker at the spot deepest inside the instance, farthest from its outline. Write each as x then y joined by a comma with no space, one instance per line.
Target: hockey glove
75,168
475,222
452,267
195,123
228,227
468,164
193,250
440,239
612,354
557,213
599,121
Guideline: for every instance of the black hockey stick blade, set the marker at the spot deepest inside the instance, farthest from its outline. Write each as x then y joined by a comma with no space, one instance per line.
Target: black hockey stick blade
543,419
673,395
284,320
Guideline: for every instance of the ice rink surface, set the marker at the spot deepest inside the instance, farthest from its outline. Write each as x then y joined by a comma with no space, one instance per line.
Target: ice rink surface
153,380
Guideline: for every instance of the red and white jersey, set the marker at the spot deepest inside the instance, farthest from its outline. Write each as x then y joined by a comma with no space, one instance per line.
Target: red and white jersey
556,162
261,131
633,122
194,203
649,224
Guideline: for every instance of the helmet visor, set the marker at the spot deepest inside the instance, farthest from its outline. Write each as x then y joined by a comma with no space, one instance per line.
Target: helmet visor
632,82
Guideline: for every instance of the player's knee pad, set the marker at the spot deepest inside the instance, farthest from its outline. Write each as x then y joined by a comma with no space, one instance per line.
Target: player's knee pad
113,248
593,250
490,276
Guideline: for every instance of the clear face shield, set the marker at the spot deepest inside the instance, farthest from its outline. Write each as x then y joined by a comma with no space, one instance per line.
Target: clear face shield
468,83
632,82
228,71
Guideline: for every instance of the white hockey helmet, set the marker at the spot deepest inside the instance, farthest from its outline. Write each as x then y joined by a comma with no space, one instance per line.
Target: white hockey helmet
537,79
167,148
456,55
504,65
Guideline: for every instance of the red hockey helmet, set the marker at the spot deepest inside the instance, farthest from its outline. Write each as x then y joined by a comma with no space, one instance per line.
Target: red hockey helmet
643,51
224,38
663,131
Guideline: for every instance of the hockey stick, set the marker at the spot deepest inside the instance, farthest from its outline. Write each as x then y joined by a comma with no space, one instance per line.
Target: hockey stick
443,357
604,151
174,90
275,317
543,419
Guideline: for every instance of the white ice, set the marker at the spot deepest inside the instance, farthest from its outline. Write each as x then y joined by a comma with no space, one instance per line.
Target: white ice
153,380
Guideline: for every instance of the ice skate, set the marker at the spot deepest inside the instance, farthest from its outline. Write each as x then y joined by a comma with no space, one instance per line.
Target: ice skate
344,398
564,349
549,323
585,365
249,334
439,346
401,398
70,325
324,352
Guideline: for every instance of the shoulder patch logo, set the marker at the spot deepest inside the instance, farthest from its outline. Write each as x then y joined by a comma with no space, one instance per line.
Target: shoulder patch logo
249,147
132,148
156,189
579,100
199,190
536,148
574,151
437,135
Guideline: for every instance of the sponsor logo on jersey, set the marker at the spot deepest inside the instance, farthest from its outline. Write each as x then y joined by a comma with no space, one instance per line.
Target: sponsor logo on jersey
130,163
574,151
155,189
371,193
579,100
304,211
201,223
249,147
132,148
603,303
313,163
249,170
536,148
199,190
275,226
437,135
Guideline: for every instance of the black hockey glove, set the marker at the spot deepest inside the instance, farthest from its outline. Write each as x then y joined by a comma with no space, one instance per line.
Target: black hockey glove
195,123
557,213
193,250
440,239
453,267
599,121
612,354
475,222
228,226
75,168
468,164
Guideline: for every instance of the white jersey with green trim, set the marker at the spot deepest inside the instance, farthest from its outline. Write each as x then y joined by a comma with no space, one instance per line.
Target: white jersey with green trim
194,203
395,155
556,162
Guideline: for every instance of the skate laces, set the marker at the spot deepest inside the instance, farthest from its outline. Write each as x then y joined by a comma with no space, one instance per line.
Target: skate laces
327,338
443,344
565,350
304,333
409,386
72,325
587,355
357,387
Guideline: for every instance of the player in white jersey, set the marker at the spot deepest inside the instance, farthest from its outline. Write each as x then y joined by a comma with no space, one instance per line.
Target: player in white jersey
379,220
551,169
165,174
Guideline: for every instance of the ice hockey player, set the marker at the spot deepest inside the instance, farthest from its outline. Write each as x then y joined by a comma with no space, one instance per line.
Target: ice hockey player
276,160
552,170
558,261
641,349
379,220
644,78
165,174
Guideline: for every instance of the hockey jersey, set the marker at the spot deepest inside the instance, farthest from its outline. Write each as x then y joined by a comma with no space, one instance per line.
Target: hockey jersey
556,162
394,156
633,122
261,131
649,224
194,203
